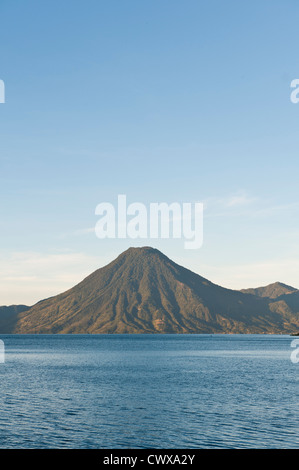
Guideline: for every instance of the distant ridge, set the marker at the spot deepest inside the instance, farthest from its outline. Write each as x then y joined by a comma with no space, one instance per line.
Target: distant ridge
143,291
9,315
272,291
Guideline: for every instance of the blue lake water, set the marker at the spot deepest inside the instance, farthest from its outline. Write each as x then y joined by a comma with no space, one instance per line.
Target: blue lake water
148,391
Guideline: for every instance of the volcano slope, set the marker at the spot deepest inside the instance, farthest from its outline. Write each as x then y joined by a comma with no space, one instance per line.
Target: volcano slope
143,291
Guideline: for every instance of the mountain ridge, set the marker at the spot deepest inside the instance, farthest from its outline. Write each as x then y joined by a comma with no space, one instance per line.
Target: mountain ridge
144,291
272,291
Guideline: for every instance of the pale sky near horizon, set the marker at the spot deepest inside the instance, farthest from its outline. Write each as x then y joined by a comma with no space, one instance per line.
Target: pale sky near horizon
162,101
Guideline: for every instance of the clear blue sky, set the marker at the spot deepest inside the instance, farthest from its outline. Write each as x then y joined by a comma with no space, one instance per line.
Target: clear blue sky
161,100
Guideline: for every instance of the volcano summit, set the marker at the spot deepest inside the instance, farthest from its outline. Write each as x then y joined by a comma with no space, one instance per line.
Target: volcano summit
143,291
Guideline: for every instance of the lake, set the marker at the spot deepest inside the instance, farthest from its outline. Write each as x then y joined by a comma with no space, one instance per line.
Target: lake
148,391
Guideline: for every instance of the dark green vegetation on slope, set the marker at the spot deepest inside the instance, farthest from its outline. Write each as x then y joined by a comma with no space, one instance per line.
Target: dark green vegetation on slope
143,291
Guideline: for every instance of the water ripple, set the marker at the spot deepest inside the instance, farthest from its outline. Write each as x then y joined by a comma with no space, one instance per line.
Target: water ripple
176,391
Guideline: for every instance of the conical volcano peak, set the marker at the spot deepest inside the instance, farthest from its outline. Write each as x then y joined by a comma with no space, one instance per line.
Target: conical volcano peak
144,291
142,254
142,250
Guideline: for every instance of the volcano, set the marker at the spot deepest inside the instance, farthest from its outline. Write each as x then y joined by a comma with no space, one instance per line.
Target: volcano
143,291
